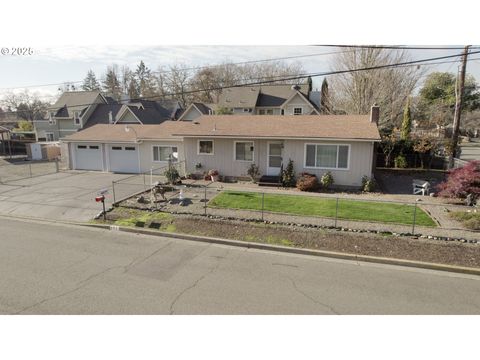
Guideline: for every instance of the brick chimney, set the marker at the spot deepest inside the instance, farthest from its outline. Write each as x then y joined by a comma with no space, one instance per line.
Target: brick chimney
374,113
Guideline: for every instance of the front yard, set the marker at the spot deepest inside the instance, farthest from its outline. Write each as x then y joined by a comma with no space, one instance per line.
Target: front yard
324,207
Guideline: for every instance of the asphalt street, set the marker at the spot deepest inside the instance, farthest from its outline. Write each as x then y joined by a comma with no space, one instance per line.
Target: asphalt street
50,268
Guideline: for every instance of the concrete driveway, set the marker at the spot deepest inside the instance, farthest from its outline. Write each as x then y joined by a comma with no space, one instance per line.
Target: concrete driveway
66,195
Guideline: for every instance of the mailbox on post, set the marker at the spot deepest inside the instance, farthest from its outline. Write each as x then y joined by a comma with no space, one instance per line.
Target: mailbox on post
101,198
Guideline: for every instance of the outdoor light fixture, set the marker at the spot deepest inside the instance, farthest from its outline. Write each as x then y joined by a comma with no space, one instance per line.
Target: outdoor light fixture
128,128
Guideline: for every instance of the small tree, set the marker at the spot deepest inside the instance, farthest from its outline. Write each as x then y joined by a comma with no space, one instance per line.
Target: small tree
423,147
223,111
253,171
288,175
24,125
461,182
407,122
389,143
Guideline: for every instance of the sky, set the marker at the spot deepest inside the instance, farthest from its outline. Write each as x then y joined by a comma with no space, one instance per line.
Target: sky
59,64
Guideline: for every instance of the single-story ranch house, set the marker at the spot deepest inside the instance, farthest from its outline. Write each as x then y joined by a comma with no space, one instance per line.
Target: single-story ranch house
341,144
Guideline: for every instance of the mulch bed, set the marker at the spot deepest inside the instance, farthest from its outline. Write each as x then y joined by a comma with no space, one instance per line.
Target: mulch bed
426,250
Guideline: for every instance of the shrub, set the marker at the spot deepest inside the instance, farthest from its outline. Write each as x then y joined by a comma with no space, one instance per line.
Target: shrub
401,162
307,182
172,175
288,175
253,171
461,182
327,180
470,220
213,172
368,184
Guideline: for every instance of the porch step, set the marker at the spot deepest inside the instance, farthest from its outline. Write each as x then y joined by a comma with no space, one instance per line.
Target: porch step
266,180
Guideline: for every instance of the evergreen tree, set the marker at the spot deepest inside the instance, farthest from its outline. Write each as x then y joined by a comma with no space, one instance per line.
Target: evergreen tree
407,122
145,81
90,82
309,83
133,91
111,83
325,104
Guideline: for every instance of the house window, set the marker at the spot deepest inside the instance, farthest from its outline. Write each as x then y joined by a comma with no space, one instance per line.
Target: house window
116,148
51,118
244,150
205,147
94,147
326,156
76,117
265,112
49,136
297,111
163,153
81,146
249,110
130,148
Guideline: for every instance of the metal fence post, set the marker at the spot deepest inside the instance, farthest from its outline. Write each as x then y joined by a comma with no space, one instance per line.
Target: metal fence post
336,212
205,201
113,192
414,218
263,203
56,165
30,169
144,183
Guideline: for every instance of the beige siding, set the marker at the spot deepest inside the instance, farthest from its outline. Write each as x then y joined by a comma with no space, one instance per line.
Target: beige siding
223,158
298,101
146,154
360,161
191,114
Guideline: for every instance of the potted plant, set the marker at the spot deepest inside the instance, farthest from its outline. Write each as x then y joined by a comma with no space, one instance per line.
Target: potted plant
214,175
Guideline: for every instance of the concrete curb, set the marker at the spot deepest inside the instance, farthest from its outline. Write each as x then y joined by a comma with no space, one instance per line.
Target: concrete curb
268,247
293,250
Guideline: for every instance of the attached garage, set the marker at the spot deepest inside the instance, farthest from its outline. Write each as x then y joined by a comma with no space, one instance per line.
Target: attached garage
123,158
88,157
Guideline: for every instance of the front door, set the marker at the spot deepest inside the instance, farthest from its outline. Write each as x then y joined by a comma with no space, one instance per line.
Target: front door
274,160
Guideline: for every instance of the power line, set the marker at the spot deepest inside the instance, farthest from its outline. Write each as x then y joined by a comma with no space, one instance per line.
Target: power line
299,77
194,68
398,47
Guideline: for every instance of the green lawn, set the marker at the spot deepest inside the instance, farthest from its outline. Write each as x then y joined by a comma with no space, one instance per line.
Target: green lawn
314,206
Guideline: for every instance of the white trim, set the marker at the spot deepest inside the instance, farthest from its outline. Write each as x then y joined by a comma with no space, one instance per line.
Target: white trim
165,161
326,168
268,155
275,138
49,133
297,107
208,154
235,151
122,111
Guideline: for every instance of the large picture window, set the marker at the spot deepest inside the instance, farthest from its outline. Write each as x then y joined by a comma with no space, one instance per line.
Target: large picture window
244,150
205,147
163,153
327,156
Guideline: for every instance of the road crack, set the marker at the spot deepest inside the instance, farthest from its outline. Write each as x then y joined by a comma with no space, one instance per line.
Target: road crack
188,288
312,298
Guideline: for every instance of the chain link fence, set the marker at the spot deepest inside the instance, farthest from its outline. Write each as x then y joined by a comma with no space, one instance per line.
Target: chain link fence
387,217
140,183
26,169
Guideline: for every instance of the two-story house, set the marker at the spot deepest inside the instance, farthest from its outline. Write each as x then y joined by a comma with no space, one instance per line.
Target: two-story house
76,110
281,99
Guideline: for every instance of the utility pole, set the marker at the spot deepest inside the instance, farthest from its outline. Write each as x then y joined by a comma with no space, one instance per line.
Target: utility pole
459,90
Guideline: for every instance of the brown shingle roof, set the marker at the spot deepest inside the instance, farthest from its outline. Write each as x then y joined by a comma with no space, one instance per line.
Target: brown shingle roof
354,127
110,132
278,126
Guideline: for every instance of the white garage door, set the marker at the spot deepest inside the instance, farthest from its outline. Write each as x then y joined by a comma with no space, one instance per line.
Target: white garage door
123,158
88,157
